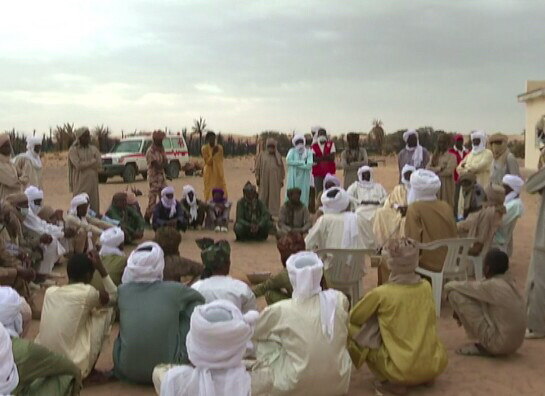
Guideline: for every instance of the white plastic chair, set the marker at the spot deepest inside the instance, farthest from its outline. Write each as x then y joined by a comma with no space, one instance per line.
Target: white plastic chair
453,267
477,261
344,270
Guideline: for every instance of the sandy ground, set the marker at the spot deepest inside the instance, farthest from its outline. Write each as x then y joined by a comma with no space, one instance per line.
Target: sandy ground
520,374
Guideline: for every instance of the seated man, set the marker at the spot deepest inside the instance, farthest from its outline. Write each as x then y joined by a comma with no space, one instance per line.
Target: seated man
303,340
428,219
394,328
294,216
218,336
492,310
217,217
253,220
77,318
9,377
176,267
514,209
112,256
132,200
278,287
365,193
483,224
215,283
195,209
41,372
168,212
131,222
471,195
330,181
88,228
153,317
35,199
338,228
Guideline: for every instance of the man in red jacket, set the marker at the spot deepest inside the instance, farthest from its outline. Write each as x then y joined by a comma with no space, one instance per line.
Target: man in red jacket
324,159
459,152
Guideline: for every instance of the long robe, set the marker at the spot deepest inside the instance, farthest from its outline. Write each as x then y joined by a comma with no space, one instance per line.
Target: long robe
10,182
492,311
328,231
480,164
213,170
293,220
358,193
83,166
290,340
351,161
505,165
405,157
446,165
389,223
428,221
299,172
535,285
270,174
514,210
29,173
411,352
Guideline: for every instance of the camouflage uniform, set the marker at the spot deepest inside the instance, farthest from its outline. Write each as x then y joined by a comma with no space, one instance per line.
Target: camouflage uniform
156,178
213,254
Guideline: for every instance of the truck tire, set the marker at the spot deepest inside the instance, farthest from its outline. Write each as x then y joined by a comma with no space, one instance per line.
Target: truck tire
174,169
102,179
129,173
145,175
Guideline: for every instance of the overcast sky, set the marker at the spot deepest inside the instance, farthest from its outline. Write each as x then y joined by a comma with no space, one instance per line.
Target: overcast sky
253,65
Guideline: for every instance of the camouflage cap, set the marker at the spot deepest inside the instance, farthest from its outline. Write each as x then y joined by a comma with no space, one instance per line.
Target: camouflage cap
214,254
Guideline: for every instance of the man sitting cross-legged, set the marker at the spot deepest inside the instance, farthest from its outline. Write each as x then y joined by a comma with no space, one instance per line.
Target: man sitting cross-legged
492,311
253,220
130,221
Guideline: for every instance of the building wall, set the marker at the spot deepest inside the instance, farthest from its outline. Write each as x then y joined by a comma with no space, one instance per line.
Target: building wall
535,108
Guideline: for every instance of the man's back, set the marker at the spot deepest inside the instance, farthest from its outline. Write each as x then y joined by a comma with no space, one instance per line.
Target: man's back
328,231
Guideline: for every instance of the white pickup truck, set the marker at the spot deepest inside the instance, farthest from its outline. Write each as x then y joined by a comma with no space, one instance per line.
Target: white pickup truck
128,157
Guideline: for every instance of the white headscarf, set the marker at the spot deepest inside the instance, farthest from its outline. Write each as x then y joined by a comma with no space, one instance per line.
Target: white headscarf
9,377
329,178
30,154
10,311
34,193
301,148
305,270
78,200
424,186
143,265
217,340
418,153
338,204
406,168
365,183
193,207
110,240
516,183
168,203
482,145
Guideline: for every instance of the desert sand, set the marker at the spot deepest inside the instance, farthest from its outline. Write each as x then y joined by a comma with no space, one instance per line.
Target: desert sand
520,374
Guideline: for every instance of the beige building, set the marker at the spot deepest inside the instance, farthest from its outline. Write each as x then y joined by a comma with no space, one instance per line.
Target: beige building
534,98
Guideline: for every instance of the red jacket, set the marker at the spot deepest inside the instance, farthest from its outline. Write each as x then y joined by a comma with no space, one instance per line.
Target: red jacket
325,167
459,158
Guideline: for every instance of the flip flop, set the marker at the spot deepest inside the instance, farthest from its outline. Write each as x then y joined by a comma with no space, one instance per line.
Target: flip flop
471,350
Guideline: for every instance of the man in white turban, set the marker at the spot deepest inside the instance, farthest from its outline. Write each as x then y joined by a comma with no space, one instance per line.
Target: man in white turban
29,164
112,256
428,219
300,161
77,318
194,208
338,227
514,207
479,160
153,317
413,153
217,341
39,369
168,212
303,339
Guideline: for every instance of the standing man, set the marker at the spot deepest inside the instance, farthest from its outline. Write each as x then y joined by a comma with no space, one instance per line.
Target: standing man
214,177
459,152
157,162
29,164
83,166
352,159
505,162
324,159
443,164
413,153
10,183
479,160
300,160
269,175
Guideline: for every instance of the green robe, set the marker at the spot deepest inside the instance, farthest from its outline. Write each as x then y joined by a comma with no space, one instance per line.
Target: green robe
130,221
153,325
276,288
249,213
115,265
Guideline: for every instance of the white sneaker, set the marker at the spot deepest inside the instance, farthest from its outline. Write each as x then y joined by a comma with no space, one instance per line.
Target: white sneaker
530,335
217,229
224,229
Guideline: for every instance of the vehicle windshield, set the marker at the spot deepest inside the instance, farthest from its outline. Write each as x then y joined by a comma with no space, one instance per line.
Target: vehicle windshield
128,146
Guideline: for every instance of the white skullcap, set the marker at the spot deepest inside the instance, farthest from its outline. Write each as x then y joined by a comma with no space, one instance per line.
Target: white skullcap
33,193
408,133
296,137
424,186
78,200
513,181
9,377
10,311
145,264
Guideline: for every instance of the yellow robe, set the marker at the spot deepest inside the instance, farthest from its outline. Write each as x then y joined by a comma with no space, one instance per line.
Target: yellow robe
410,353
480,164
213,171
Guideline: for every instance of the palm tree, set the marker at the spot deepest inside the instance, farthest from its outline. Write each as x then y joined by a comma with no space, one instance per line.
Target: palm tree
377,134
64,136
199,126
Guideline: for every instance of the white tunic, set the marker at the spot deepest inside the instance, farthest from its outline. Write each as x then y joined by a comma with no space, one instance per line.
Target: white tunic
328,233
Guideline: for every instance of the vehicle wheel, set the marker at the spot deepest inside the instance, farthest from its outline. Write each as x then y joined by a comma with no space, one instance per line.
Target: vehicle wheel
102,178
145,175
174,169
129,173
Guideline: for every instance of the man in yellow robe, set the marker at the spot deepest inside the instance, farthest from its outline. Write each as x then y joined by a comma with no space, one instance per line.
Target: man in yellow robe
212,154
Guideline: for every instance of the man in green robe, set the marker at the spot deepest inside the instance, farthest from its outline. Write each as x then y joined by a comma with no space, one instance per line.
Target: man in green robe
130,221
253,221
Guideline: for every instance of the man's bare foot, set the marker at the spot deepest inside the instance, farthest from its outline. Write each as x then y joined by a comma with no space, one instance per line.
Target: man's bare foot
387,386
96,377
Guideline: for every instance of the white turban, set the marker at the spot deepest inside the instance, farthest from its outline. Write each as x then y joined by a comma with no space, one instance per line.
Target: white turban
406,168
145,264
516,183
482,145
34,193
168,203
110,240
11,317
336,205
193,206
78,200
424,186
365,183
9,377
305,270
30,154
418,152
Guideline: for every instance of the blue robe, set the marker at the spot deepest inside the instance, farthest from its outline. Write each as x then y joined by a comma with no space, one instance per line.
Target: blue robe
299,169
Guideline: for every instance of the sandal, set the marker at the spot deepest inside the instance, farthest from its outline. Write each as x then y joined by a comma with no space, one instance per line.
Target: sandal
471,350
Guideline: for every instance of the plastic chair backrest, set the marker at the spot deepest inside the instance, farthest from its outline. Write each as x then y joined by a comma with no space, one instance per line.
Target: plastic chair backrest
457,249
